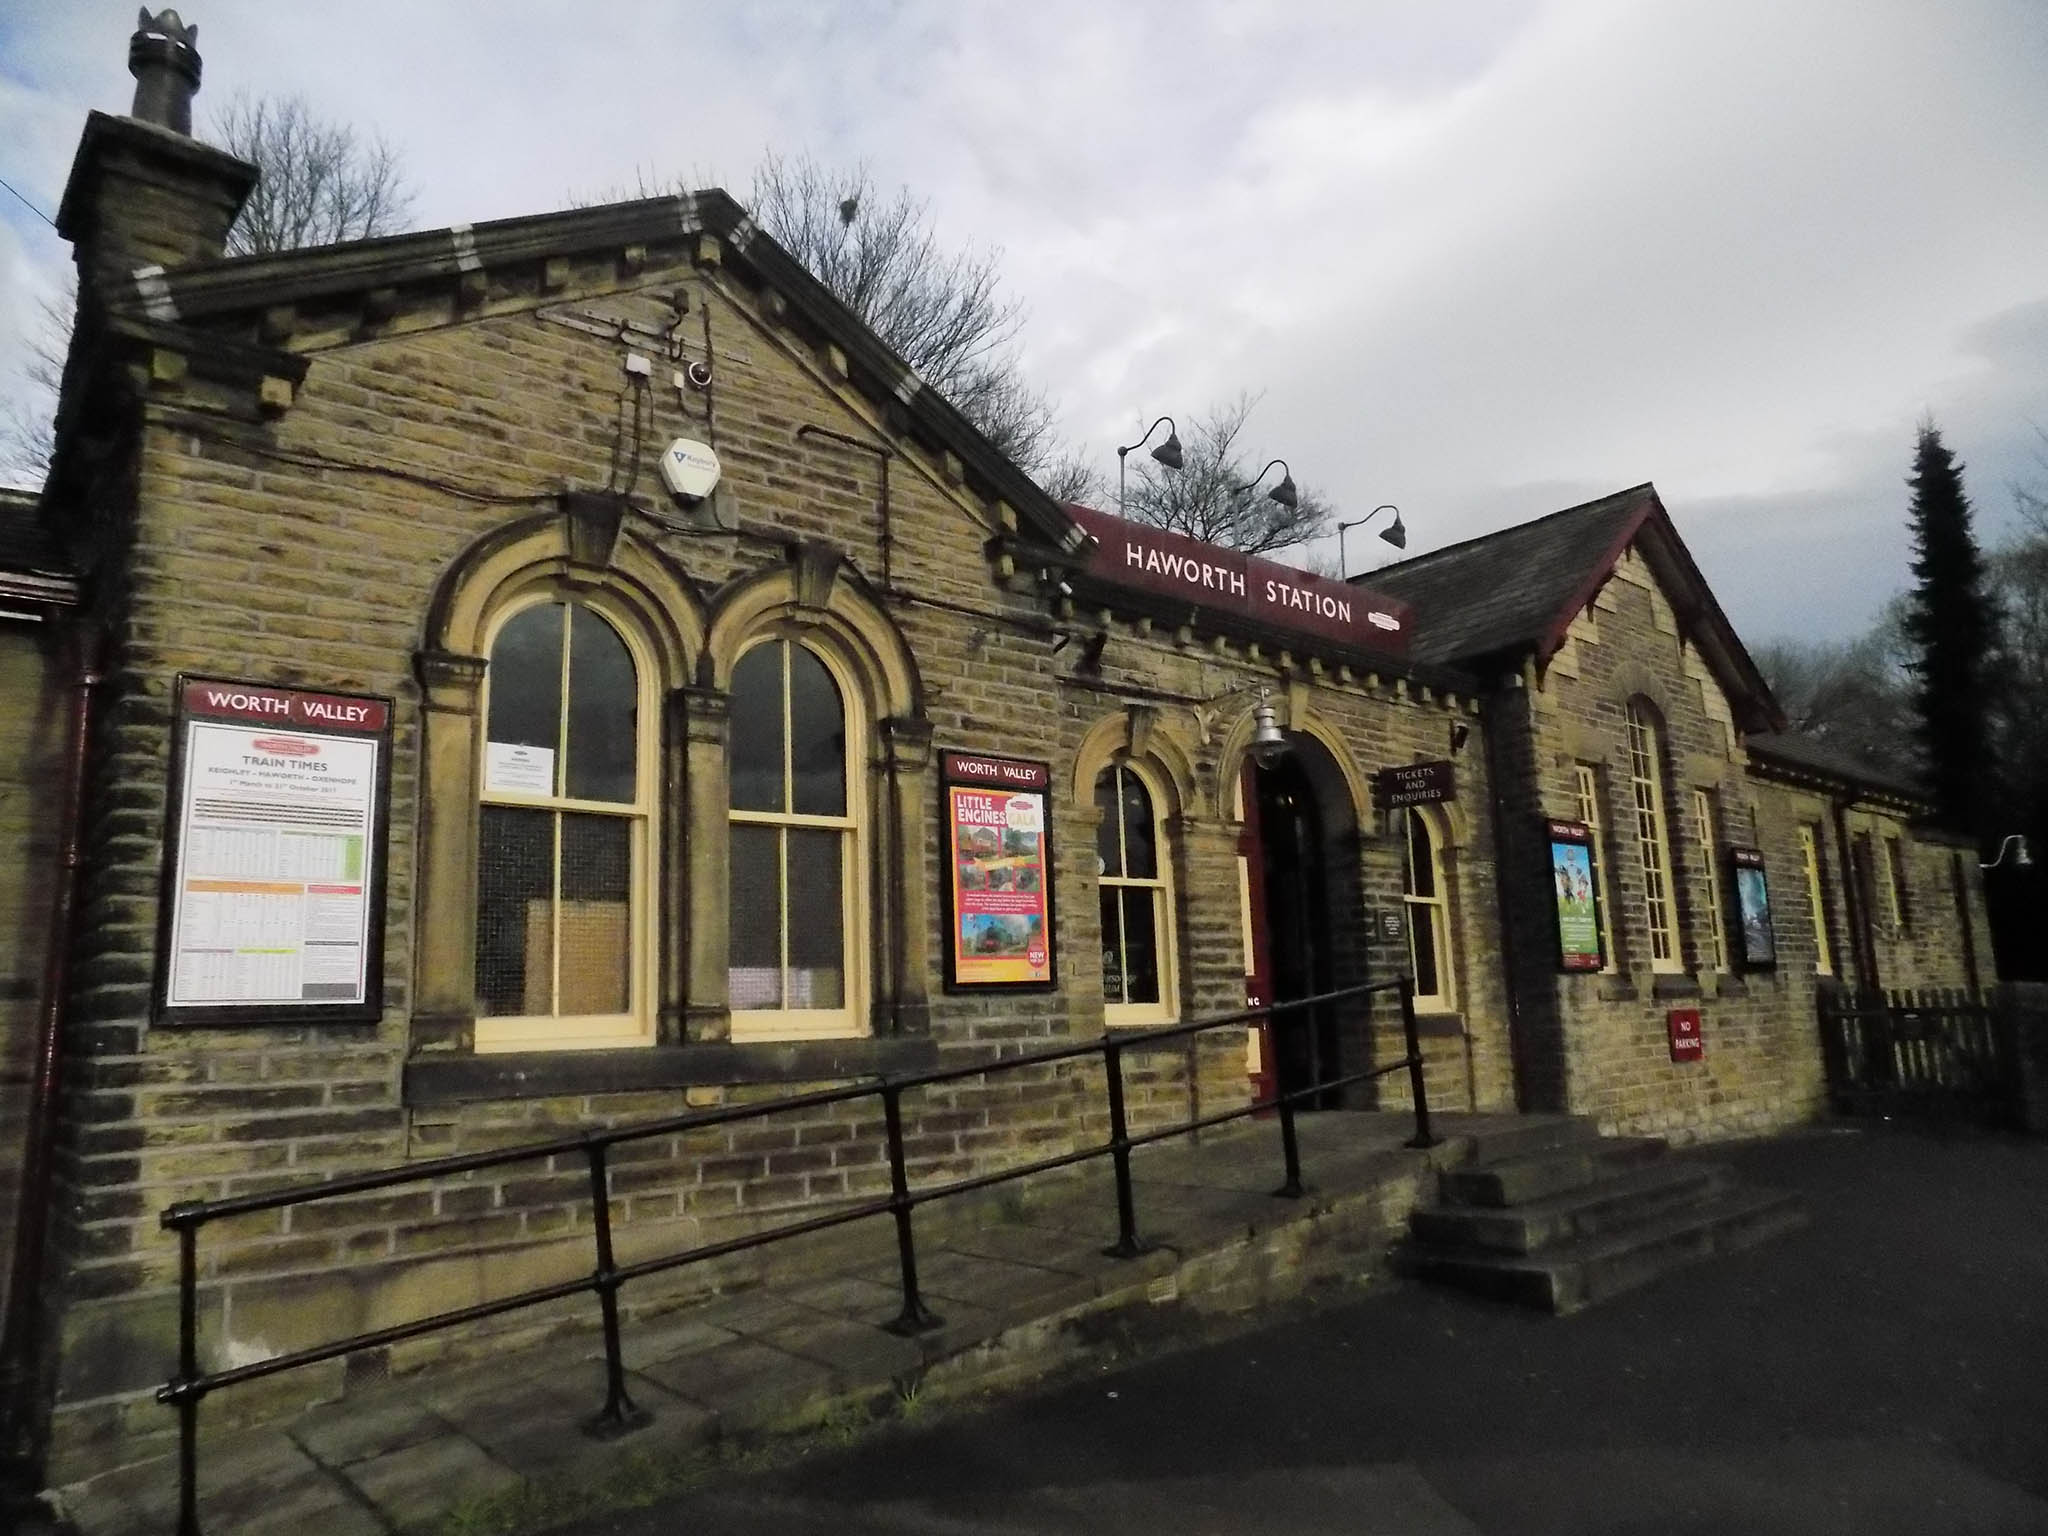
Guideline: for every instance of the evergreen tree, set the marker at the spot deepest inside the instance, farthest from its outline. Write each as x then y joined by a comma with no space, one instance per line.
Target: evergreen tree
1951,623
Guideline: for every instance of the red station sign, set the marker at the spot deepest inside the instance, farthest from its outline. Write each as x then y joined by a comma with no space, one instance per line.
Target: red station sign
1209,576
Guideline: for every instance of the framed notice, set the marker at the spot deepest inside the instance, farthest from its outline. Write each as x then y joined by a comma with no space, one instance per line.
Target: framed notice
1575,890
998,843
1752,893
273,911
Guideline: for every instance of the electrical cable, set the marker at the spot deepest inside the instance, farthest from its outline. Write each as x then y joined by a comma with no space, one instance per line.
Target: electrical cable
308,458
31,207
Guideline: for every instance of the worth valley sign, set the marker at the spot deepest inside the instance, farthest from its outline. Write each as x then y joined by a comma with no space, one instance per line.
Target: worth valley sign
1208,576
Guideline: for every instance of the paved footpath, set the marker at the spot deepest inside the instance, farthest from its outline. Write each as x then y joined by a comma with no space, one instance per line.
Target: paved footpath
1883,1371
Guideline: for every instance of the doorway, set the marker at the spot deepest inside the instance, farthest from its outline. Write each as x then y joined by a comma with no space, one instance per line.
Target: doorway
1298,958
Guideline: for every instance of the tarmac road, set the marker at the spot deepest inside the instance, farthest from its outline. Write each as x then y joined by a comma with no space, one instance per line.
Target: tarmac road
1885,1370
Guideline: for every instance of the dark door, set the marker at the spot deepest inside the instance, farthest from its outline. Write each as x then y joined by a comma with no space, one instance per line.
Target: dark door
1297,926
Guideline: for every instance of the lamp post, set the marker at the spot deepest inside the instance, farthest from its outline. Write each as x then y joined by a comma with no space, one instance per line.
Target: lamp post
1393,533
1167,453
2022,858
1284,493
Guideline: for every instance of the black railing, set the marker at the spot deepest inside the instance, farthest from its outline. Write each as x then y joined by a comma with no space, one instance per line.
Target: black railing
191,1385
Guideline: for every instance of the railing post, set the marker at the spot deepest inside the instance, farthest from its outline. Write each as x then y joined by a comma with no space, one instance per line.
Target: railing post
1283,1096
1127,1245
1422,1136
618,1414
188,1372
915,1317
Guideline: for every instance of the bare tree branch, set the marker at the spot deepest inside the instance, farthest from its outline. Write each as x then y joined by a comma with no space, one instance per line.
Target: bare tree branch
1210,496
319,185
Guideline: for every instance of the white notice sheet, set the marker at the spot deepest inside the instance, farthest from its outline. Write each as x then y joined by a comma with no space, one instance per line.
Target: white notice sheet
272,905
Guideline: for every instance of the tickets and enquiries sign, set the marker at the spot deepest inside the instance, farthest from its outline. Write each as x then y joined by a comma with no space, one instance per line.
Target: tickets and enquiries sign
273,911
998,839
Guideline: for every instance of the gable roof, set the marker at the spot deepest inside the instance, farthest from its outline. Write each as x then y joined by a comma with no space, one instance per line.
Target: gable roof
1501,593
1793,755
1514,593
33,566
254,285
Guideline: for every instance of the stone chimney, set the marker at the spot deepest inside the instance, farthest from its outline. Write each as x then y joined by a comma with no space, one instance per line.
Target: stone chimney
143,192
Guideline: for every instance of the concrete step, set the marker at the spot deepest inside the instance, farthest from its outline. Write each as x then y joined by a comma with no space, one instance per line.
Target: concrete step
1539,1175
1531,1136
1576,1274
1627,1199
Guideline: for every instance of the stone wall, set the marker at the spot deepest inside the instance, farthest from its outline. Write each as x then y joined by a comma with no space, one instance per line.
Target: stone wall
313,550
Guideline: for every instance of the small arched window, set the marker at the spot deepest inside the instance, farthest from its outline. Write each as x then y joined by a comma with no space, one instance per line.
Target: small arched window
564,933
1425,892
1135,866
795,890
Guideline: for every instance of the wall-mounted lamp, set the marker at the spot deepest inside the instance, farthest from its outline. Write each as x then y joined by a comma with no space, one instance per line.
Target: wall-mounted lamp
1285,492
1460,734
1167,453
1268,745
1393,533
2021,857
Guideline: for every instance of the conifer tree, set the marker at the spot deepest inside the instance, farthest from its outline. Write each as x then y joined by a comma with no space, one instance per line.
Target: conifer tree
1951,623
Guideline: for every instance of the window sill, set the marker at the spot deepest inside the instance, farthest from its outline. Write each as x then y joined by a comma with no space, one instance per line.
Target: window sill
1442,1025
459,1079
1674,984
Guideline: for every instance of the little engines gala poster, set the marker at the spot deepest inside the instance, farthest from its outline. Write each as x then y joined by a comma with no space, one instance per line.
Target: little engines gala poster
1000,912
1578,896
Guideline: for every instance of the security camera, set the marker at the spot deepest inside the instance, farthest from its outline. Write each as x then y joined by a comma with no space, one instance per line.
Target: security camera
699,375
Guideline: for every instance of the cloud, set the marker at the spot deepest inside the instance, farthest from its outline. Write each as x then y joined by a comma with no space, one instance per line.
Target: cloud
1483,259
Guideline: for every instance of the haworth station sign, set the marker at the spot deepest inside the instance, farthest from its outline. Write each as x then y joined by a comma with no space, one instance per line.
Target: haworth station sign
1209,576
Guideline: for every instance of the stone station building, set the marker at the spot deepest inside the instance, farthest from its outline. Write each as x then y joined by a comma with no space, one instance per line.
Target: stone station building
662,804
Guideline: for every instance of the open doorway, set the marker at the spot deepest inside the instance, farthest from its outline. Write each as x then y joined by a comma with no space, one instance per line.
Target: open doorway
1301,854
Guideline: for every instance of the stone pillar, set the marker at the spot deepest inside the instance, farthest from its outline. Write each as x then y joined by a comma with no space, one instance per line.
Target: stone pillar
445,861
902,1003
706,845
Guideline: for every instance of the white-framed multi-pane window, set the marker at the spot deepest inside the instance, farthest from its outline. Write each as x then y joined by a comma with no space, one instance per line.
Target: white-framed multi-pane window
1586,789
1135,867
794,892
1646,784
1895,882
1809,855
1425,894
1704,831
566,833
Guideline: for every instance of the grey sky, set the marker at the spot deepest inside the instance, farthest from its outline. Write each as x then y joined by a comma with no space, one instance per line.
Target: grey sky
1484,259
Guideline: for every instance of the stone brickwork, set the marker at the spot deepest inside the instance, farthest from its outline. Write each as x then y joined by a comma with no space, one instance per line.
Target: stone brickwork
304,542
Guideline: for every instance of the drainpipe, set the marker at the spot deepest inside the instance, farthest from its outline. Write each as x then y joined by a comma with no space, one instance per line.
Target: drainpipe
21,1343
1503,907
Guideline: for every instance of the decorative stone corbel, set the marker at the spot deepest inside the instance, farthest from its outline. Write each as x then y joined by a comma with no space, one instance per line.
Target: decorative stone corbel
450,683
593,519
817,573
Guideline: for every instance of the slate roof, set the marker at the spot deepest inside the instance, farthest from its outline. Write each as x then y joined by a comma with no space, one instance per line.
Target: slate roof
1503,592
1813,755
24,543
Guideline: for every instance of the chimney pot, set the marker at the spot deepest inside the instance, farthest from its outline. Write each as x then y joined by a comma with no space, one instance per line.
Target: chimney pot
163,56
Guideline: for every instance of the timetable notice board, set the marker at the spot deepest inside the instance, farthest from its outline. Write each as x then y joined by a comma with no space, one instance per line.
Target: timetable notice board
274,911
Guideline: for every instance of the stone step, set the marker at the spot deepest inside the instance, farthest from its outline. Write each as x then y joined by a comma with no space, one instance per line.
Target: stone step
1628,1199
1577,1274
1531,1136
1539,1175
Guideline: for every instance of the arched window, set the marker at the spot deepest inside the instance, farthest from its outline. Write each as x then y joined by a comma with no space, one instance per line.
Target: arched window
795,891
1646,778
564,930
1135,865
1429,916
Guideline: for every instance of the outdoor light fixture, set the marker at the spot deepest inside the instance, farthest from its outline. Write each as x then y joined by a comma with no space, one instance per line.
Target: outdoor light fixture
1393,533
1268,745
1167,453
2021,858
1284,493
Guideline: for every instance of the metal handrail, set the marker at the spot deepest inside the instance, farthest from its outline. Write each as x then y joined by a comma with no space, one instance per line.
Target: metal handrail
190,1386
